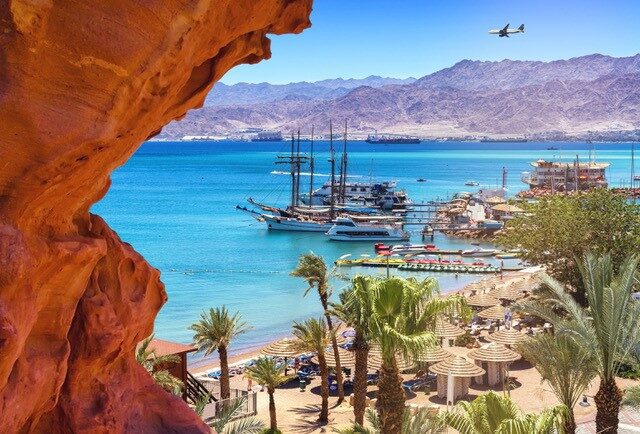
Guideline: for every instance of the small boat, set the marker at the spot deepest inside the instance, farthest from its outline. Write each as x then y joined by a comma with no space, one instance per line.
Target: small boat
345,229
478,252
552,148
421,180
404,249
472,183
507,255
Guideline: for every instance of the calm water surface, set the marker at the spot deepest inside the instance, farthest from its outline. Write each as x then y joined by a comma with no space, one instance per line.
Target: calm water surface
175,203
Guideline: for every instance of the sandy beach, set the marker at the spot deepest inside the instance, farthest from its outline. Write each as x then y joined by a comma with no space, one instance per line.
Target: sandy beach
297,410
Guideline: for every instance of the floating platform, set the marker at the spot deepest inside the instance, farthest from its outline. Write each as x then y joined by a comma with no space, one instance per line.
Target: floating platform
404,265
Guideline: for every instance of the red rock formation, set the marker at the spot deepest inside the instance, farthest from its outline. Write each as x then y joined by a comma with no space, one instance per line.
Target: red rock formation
82,84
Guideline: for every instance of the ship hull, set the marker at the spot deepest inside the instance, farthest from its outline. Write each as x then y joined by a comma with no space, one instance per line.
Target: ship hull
292,225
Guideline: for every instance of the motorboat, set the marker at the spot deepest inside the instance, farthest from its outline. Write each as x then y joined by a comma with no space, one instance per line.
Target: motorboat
345,229
479,252
406,249
472,183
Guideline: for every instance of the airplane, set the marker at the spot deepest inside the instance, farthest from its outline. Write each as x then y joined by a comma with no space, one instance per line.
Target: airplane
506,30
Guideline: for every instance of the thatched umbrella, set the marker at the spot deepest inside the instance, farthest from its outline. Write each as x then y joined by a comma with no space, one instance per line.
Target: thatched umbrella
461,369
482,300
494,359
283,348
347,358
445,330
495,312
434,355
507,337
507,293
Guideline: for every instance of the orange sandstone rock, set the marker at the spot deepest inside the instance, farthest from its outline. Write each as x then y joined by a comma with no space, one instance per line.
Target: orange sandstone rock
82,84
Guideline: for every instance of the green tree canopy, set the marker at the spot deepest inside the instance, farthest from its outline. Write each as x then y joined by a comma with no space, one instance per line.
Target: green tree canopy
557,231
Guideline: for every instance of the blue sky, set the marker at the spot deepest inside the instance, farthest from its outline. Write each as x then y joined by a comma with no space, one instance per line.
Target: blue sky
403,38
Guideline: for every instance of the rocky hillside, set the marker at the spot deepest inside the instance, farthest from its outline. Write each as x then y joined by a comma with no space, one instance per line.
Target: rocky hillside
470,99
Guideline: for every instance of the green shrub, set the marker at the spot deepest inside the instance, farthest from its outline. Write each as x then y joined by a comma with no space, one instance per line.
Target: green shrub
464,340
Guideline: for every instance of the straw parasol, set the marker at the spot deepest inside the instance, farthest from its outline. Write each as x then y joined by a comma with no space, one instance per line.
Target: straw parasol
494,358
457,366
507,337
507,292
482,300
434,355
494,352
495,312
461,369
444,329
282,348
347,358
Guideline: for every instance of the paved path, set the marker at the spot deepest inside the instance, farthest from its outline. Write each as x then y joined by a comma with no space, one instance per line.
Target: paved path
629,423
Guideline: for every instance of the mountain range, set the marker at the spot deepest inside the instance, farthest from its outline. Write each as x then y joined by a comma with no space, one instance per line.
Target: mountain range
586,96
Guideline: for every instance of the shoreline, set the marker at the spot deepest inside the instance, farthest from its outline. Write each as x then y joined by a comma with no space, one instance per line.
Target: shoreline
201,369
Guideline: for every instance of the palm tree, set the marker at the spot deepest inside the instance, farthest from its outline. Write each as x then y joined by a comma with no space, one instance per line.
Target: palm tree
567,367
267,372
214,331
355,309
403,312
494,414
312,335
153,364
313,269
419,422
608,330
221,422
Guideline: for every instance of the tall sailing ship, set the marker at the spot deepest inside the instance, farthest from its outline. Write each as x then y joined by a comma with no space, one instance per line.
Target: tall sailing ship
317,210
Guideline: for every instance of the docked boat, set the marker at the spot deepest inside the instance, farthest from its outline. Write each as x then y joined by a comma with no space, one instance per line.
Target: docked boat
345,229
408,249
295,224
478,252
472,183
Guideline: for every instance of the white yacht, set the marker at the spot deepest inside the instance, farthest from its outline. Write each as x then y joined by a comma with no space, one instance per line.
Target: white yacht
345,229
278,223
479,252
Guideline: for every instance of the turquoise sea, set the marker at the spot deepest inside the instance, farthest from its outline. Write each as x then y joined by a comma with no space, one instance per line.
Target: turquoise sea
175,203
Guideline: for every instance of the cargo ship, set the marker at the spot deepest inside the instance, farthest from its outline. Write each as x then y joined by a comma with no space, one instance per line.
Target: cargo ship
391,139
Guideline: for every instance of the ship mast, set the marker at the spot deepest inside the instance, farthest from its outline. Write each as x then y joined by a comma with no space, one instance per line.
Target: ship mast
293,176
311,167
343,166
332,160
298,165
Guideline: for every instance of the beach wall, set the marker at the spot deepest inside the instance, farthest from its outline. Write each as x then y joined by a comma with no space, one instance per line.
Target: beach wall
82,85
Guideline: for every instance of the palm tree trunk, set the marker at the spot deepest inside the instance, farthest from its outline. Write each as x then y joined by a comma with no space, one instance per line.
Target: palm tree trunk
324,388
225,390
272,411
361,348
391,398
570,423
334,344
608,401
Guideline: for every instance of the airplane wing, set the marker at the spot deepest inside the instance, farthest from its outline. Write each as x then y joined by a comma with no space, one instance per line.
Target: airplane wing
505,28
